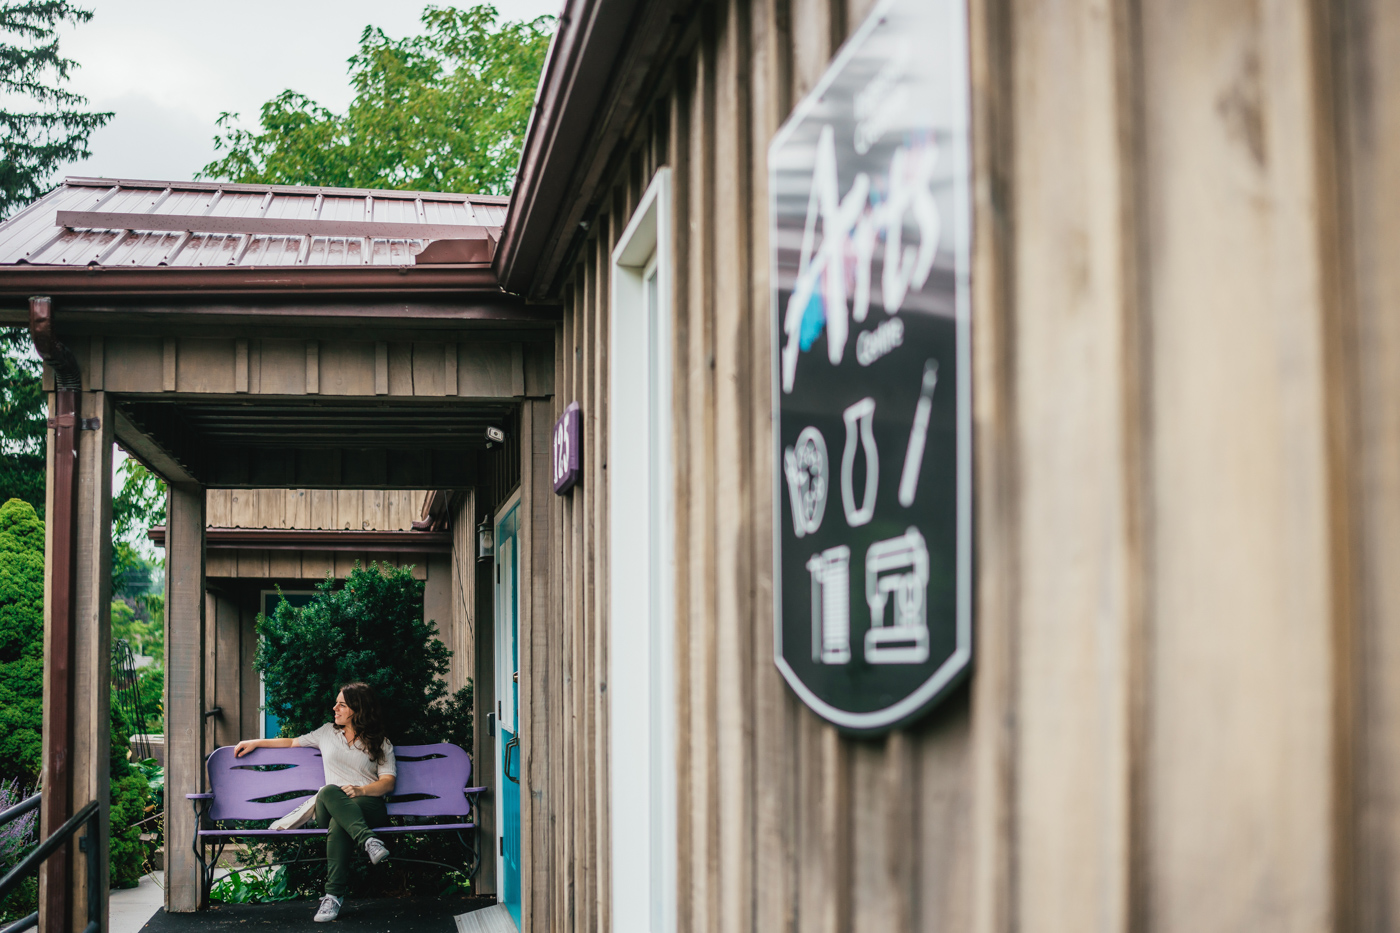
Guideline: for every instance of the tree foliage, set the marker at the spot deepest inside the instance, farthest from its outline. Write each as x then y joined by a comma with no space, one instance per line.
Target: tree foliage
34,142
372,629
21,641
444,111
137,504
22,420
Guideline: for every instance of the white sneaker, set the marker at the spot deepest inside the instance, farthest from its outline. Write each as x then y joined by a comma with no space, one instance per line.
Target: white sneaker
377,851
330,909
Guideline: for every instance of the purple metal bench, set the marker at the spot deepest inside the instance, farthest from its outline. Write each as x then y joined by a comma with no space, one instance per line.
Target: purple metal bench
268,783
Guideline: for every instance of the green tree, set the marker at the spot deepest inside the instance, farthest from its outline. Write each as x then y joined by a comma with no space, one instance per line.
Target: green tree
444,111
22,420
372,629
21,641
34,142
137,504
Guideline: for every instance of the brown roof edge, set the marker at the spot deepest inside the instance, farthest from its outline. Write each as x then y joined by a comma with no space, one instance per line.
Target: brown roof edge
564,150
26,280
304,539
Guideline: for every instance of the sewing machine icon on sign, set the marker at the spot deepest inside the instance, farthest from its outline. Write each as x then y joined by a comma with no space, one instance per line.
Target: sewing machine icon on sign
897,567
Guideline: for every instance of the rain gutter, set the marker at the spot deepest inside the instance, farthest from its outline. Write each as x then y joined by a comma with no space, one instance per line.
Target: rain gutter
62,603
208,281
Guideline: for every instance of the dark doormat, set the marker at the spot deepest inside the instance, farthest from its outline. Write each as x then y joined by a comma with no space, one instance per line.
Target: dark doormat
370,915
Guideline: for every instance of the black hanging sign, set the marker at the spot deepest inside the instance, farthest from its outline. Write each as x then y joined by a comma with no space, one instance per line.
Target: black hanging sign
869,221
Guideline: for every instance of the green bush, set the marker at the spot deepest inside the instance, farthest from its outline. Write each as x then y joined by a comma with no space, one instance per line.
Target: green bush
21,641
130,796
372,629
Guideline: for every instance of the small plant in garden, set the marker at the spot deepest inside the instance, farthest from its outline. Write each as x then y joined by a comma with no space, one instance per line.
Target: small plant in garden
253,886
16,839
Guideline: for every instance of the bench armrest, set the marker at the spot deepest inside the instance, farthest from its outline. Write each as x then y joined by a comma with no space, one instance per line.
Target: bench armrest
199,796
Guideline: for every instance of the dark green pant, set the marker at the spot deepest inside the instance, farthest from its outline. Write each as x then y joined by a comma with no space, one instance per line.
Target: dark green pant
349,820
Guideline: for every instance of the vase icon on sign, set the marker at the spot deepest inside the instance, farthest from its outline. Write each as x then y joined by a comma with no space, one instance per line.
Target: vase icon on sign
831,605
897,567
860,419
808,479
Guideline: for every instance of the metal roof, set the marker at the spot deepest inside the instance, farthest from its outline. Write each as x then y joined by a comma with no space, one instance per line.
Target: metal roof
124,223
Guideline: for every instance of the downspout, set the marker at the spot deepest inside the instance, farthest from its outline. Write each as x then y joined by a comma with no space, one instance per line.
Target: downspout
61,599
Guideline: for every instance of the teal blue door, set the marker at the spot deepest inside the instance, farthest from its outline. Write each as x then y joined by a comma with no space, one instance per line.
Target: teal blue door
508,704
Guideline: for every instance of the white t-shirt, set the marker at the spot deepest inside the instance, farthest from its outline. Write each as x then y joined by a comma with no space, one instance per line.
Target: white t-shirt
345,763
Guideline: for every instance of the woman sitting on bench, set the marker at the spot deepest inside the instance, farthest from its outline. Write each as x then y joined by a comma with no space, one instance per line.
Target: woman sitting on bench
360,773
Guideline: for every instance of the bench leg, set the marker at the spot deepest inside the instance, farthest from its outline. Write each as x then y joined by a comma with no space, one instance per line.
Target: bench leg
206,872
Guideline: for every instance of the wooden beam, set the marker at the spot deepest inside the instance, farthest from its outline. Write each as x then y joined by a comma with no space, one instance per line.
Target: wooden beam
146,449
185,692
339,468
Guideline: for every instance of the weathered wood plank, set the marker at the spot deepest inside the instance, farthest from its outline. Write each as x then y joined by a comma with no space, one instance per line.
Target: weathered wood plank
400,368
184,689
428,369
1367,54
539,670
1076,620
1243,596
775,855
91,638
731,477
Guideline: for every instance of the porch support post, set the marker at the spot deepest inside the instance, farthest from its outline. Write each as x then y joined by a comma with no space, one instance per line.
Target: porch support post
92,642
185,693
77,630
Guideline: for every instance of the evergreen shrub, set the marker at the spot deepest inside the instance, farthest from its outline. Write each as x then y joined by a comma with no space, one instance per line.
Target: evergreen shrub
372,630
21,642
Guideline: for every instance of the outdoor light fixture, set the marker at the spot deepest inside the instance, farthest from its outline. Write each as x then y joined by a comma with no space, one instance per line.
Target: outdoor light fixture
485,540
495,435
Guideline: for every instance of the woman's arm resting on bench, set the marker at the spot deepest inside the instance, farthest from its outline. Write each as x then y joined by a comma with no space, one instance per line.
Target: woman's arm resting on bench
247,745
380,788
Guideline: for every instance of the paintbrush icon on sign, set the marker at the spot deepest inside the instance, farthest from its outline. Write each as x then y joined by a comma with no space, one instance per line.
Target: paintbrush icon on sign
918,434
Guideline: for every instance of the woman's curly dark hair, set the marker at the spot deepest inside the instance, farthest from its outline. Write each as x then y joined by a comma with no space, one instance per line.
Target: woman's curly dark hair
364,717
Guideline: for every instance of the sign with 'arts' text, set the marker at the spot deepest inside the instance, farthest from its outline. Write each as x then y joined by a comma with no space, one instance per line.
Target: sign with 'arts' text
869,221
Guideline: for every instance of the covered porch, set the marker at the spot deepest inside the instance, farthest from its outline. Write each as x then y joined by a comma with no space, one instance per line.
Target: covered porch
261,338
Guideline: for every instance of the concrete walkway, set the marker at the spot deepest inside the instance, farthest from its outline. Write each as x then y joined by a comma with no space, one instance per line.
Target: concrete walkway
129,909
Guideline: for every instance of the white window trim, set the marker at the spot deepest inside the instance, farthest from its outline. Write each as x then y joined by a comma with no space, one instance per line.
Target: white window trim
641,679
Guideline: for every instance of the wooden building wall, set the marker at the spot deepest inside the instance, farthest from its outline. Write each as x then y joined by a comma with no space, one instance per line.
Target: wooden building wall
319,509
1184,711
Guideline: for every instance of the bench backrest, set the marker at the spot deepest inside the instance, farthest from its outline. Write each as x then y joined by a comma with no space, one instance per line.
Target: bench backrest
430,783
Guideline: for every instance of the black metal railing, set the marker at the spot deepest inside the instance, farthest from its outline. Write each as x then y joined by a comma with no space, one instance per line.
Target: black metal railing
30,863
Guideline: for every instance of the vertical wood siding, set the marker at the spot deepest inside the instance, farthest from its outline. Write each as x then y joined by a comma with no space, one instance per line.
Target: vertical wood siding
783,825
1185,356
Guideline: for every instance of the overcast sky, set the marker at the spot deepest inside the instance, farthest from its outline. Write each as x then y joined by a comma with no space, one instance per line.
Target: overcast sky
168,69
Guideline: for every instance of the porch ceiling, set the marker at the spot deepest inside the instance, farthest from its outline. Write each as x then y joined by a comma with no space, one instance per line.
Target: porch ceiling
314,443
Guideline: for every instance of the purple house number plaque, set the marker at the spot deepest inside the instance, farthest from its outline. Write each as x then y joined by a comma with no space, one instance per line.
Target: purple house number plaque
566,449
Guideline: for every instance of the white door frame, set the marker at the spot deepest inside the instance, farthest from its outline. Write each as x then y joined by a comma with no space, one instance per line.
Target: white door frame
641,678
503,675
